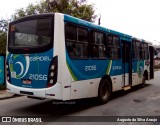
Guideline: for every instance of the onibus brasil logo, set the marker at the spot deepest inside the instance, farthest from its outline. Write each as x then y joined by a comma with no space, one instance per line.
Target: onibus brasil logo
19,65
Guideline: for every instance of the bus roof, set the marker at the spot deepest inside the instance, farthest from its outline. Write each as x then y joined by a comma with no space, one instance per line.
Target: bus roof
32,17
81,22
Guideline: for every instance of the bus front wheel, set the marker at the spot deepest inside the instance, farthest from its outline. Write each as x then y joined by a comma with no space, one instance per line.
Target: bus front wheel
104,91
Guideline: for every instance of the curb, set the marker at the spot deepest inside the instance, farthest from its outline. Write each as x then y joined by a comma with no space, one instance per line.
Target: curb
8,96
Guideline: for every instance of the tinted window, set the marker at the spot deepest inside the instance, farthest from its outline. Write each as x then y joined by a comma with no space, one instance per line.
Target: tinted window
144,51
98,48
76,41
114,47
71,33
82,35
136,49
30,33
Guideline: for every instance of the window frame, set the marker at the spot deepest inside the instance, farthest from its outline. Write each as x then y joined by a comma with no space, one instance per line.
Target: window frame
103,44
76,42
143,51
136,50
34,49
113,47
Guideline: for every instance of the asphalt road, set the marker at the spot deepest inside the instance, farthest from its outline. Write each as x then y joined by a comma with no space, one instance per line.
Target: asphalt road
136,102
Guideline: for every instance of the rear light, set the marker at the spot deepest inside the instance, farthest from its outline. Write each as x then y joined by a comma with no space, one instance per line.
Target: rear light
52,67
8,73
52,74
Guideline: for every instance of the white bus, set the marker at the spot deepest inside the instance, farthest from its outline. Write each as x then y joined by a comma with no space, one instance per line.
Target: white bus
61,57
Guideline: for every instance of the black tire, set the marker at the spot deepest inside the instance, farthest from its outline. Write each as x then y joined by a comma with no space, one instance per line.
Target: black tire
104,91
143,82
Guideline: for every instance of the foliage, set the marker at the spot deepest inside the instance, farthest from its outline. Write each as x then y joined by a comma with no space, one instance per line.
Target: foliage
3,39
3,25
77,8
3,35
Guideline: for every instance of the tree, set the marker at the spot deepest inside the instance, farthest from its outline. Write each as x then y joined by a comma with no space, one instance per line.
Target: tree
3,25
3,39
3,35
77,8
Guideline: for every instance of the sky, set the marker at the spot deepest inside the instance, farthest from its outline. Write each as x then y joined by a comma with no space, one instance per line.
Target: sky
138,18
8,7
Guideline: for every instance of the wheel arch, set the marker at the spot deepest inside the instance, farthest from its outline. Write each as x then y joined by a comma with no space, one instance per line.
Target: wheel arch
109,79
104,89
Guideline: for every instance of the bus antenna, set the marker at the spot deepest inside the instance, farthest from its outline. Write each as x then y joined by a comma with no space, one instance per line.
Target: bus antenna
99,19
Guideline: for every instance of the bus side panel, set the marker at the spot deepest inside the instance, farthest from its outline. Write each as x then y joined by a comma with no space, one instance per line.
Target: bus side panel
137,72
81,69
85,88
117,83
89,88
86,76
55,92
59,45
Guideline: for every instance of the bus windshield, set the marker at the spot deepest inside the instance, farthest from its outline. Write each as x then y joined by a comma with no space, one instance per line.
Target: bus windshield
30,33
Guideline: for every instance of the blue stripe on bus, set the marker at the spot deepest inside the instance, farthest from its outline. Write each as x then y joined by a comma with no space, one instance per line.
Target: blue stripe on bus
92,68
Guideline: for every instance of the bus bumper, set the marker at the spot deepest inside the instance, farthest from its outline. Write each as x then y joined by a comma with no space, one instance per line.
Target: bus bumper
54,92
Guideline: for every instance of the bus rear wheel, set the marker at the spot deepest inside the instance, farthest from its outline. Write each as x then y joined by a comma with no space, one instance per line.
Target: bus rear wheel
104,91
143,82
144,78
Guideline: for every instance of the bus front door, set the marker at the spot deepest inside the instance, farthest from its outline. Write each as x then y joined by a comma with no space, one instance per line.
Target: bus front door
127,65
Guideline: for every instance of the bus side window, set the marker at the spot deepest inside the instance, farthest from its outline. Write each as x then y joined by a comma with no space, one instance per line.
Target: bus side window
72,50
113,47
82,42
95,53
146,51
76,41
70,36
136,49
109,43
141,51
98,47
